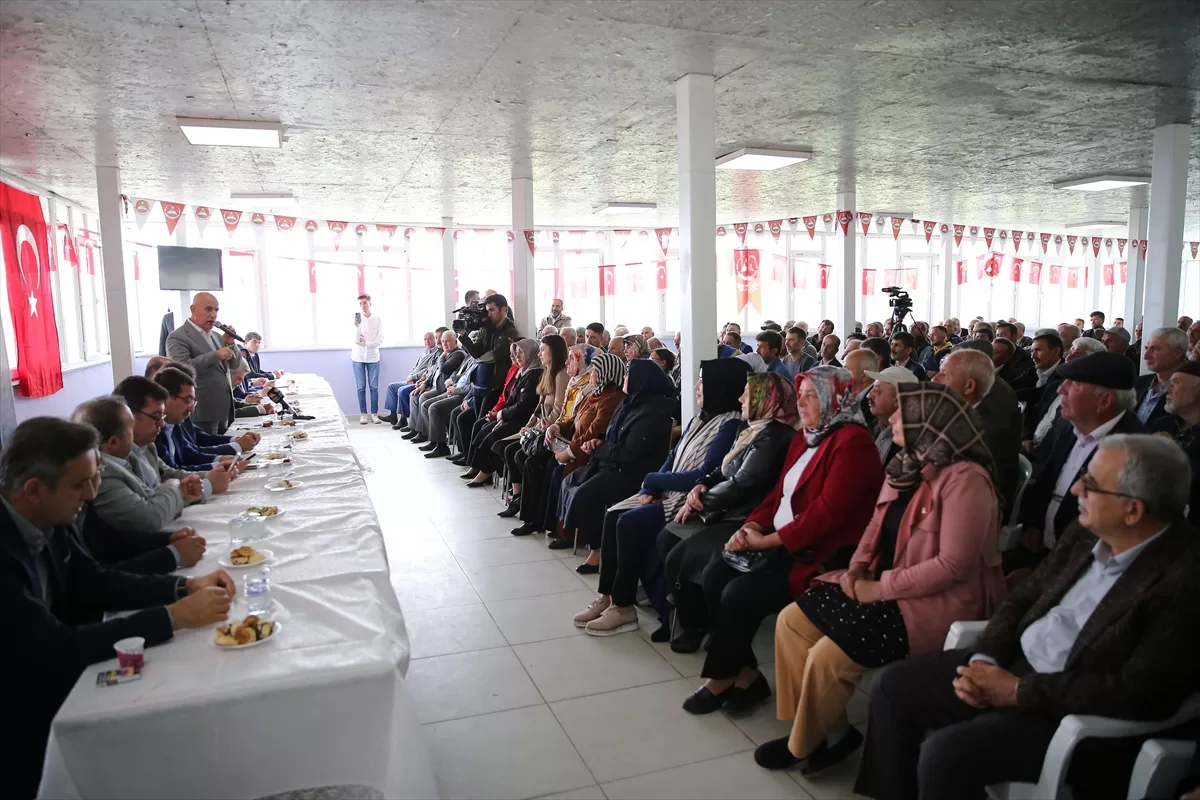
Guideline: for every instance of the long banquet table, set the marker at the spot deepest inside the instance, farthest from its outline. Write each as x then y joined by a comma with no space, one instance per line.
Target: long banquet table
321,703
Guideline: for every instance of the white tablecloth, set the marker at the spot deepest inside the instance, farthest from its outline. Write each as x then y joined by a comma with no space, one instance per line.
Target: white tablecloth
323,703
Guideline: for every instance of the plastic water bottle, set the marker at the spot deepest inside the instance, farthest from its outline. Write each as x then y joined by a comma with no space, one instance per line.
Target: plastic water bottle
257,588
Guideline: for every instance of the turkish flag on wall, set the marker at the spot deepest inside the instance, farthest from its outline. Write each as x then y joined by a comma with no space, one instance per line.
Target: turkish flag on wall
661,275
1055,274
747,274
1073,277
1016,268
1035,272
868,282
312,277
1109,276
30,299
891,277
960,267
1124,267
608,280
824,275
799,276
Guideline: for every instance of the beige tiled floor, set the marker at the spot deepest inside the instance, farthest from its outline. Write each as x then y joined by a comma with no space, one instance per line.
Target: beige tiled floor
517,702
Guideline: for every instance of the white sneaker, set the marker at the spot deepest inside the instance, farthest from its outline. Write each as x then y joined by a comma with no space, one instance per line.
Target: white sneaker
593,611
362,419
375,418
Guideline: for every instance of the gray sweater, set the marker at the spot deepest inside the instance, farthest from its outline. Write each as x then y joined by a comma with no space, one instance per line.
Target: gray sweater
133,495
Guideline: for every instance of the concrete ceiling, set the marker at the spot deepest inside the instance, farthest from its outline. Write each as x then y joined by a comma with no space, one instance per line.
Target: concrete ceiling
409,111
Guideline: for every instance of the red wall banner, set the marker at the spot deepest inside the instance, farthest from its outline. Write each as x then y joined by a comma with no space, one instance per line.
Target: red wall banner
747,275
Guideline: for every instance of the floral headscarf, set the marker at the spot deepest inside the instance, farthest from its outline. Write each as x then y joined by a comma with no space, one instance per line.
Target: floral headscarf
839,404
940,428
635,339
771,399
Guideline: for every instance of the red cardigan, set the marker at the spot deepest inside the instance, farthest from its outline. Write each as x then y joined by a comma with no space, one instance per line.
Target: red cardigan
833,501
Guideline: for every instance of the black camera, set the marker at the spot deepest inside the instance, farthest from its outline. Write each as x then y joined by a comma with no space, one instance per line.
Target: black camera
901,305
469,318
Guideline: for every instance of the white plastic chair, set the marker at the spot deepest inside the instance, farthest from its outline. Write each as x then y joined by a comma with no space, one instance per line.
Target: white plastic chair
1159,768
1156,764
1010,534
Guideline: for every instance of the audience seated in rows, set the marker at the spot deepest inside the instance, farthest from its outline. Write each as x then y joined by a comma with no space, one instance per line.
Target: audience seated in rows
1182,423
884,400
516,403
395,400
801,356
1165,351
631,525
551,399
431,414
903,344
431,388
1046,352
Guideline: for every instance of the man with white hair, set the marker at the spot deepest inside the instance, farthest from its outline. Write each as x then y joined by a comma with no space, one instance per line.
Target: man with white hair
1098,396
1068,333
547,330
1106,627
569,336
1164,351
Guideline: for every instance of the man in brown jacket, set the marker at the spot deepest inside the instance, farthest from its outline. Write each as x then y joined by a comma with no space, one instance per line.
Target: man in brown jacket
1106,625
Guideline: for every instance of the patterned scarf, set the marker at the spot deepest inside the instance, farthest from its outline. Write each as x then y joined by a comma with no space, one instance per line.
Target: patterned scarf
771,398
609,369
643,349
940,428
839,405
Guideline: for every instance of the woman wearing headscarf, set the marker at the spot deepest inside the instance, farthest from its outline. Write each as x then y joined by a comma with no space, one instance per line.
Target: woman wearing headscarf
606,377
551,395
635,347
627,542
528,466
821,503
928,557
636,441
721,500
517,402
754,361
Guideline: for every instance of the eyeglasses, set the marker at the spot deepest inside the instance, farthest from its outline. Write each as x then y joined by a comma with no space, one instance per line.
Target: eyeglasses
189,400
158,419
1091,487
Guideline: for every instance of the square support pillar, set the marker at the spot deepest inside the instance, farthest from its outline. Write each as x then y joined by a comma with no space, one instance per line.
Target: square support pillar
116,300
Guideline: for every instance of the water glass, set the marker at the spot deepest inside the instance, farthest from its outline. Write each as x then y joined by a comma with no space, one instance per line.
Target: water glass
256,588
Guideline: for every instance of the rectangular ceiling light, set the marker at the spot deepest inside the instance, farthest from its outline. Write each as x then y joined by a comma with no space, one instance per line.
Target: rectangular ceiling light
1108,225
624,208
272,201
231,132
1102,183
757,158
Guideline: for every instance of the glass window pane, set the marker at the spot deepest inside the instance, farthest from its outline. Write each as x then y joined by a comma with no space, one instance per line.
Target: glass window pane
289,303
67,285
482,261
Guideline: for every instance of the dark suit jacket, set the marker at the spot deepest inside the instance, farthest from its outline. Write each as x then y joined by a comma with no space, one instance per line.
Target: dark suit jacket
216,443
1037,402
916,369
1020,372
1142,386
1135,657
185,454
1002,433
56,641
1189,440
1051,458
139,552
255,366
214,394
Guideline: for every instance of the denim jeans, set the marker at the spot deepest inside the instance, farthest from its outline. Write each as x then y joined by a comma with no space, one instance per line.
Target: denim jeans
367,375
389,400
404,400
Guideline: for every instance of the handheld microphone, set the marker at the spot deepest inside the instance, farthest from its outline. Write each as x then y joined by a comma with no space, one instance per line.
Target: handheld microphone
229,331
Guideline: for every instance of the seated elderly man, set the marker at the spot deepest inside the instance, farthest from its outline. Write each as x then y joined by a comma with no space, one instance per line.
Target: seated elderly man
1097,401
435,385
1182,423
1105,626
885,401
570,336
970,372
1165,351
54,591
547,331
858,366
395,399
1046,412
434,421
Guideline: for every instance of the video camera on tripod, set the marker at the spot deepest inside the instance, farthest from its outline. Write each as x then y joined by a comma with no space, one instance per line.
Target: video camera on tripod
901,305
469,318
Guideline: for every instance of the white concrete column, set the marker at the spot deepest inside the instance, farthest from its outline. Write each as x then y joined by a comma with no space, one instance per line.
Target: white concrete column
112,250
845,281
695,113
522,304
1135,278
449,300
1164,254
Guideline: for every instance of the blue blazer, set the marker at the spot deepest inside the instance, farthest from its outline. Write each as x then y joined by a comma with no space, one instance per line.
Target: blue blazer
215,443
59,639
178,453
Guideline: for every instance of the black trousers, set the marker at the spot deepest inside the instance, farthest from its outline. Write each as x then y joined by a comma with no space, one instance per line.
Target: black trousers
514,461
485,434
625,546
737,604
923,742
461,423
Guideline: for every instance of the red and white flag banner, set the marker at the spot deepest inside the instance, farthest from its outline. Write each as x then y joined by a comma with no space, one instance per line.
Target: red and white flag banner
68,249
720,230
441,232
958,234
960,269
507,234
973,231
1055,274
1123,266
1002,235
929,228
897,225
284,224
810,225
1071,240
879,223
759,229
660,275
530,236
664,238
608,280
1045,237
172,212
257,220
916,225
793,223
891,277
360,230
1108,247
1017,236
912,280
1035,272
1015,268
868,282
800,275
1144,244
778,267
141,211
231,218
312,277
1096,246
1109,275
824,271
776,227
988,235
202,214
1058,243
1194,247
137,267
991,264
311,226
740,229
864,219
1073,277
827,220
747,275
1121,247
386,234
844,218
362,279
336,228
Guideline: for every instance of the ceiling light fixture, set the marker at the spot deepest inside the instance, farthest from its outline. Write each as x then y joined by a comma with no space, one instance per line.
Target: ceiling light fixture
1102,183
624,208
231,132
1100,224
265,201
758,158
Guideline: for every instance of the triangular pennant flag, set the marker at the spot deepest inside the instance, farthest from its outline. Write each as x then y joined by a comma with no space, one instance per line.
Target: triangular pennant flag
202,215
879,223
810,225
740,229
864,219
720,230
311,226
1071,240
1045,237
759,230
257,220
386,232
916,223
844,219
929,228
1083,241
1003,236
943,229
172,212
988,233
827,221
1195,246
1108,247
1017,241
360,230
337,228
897,224
776,226
1095,245
529,237
958,234
441,232
509,234
1121,246
1144,244
231,219
793,223
284,224
973,231
1058,240
664,238
141,211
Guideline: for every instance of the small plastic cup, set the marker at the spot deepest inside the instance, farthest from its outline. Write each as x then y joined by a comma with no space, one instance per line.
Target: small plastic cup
131,651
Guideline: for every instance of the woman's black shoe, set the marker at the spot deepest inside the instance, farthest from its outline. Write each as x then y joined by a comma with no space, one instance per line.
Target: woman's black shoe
826,755
399,426
526,529
663,634
587,569
459,460
438,451
473,485
702,701
469,475
560,544
513,509
688,641
774,754
747,699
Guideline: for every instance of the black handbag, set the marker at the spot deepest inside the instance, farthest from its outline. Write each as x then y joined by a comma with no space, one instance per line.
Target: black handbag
756,560
532,441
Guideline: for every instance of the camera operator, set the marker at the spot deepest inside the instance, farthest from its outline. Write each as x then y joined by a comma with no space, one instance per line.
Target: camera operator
490,347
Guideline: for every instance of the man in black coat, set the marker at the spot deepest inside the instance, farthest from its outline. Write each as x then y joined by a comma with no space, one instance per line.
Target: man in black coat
1046,355
489,346
1165,351
51,589
1182,423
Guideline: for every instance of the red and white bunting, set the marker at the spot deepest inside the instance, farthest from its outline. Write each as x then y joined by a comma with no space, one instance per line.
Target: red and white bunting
720,230
943,229
1195,246
1058,241
441,232
1017,236
141,211
958,234
1035,272
362,279
312,277
775,225
879,223
231,218
868,282
759,229
660,276
202,214
664,238
1073,277
1121,247
284,224
912,280
336,228
1002,235
1144,244
258,220
740,229
897,224
800,275
988,235
827,220
172,212
508,235
1123,267
1109,275
929,228
824,275
311,226
621,236
554,239
916,223
386,232
864,219
360,230
608,280
529,240
1083,242
1071,240
1096,246
810,225
1045,242
844,218
960,269
1108,247
973,231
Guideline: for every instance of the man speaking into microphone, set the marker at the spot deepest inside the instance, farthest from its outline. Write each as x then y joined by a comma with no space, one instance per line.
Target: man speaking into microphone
197,344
